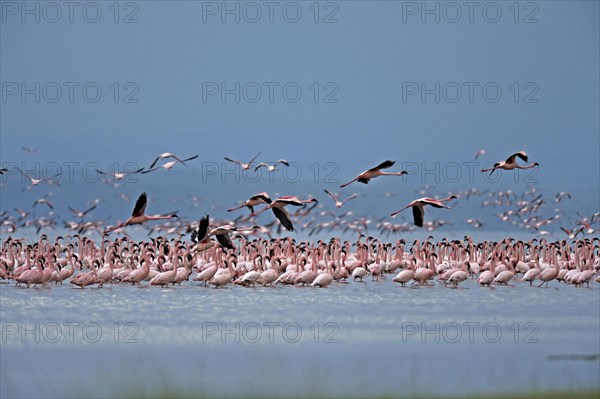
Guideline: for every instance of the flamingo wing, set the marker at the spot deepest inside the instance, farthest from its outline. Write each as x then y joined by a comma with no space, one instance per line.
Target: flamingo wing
434,203
187,159
350,198
140,205
256,156
284,218
135,171
333,197
383,165
155,161
232,160
520,154
418,214
201,232
263,196
89,210
225,241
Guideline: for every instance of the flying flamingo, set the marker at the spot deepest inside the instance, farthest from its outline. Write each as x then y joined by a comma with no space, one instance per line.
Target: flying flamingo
35,182
418,207
169,165
479,153
271,168
369,174
166,155
43,201
338,203
201,236
250,203
280,213
244,166
81,214
138,216
511,163
120,175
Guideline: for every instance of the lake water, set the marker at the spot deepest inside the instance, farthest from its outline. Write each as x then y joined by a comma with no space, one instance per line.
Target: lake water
354,339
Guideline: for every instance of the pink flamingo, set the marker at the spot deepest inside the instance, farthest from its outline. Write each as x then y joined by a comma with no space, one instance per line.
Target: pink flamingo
418,207
338,203
511,163
369,174
280,213
138,216
244,166
165,278
250,203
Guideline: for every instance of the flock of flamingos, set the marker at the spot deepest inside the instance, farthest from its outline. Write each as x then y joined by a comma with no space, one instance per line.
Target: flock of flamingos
211,257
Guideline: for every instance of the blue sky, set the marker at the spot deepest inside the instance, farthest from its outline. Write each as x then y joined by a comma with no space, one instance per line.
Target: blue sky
544,59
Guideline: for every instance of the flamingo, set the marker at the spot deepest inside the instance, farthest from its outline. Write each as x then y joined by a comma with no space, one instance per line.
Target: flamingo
562,195
84,279
165,278
323,279
404,276
505,276
35,182
43,201
548,275
250,203
360,272
269,276
166,155
169,165
201,236
81,214
220,280
120,175
244,166
369,174
273,167
531,274
139,274
479,153
209,272
280,213
338,203
418,207
251,278
511,163
459,276
138,216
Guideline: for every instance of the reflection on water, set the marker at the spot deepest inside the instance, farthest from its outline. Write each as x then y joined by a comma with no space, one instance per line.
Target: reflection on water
354,339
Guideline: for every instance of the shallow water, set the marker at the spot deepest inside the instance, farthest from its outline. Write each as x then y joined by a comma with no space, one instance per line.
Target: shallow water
354,339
